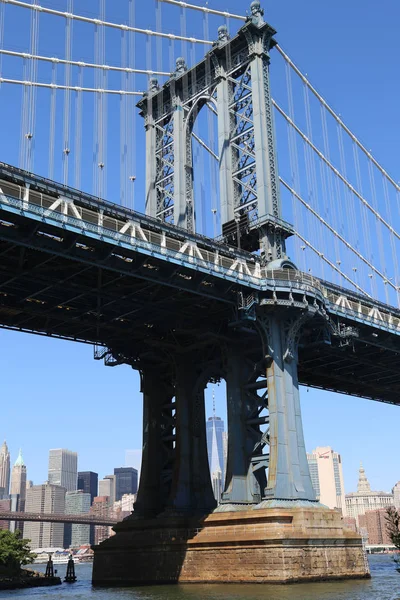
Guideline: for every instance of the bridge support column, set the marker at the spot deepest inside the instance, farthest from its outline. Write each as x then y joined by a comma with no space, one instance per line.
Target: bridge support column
240,487
157,444
191,490
288,475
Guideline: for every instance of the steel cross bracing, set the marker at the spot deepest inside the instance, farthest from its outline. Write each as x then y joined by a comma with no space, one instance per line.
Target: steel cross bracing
233,82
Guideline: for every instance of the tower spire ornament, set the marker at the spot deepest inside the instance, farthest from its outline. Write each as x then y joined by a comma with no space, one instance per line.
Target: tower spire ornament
363,483
256,13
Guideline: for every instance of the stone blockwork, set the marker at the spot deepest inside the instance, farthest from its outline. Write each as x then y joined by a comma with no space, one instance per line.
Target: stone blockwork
252,546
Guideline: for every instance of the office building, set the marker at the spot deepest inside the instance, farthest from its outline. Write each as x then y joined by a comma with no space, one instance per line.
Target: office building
5,505
77,503
101,508
63,469
363,500
88,483
107,488
327,477
126,481
46,498
18,482
18,491
374,523
4,469
216,444
396,495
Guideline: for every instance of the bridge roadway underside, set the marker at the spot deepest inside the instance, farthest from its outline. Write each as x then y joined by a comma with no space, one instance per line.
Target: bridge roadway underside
144,309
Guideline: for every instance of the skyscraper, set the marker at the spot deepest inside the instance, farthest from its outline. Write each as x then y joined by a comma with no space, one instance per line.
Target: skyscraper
45,498
63,469
18,481
77,503
4,468
107,488
364,499
18,490
88,483
327,477
216,455
126,481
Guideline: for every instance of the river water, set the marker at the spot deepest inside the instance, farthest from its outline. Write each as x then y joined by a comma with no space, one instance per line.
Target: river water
384,585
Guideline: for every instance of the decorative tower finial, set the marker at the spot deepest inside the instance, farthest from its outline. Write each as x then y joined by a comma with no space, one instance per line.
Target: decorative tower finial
153,85
223,36
181,66
257,13
363,483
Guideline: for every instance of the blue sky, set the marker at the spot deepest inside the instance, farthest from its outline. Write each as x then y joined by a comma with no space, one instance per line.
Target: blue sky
55,395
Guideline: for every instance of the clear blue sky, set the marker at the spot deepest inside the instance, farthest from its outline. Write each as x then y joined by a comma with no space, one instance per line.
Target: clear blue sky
55,395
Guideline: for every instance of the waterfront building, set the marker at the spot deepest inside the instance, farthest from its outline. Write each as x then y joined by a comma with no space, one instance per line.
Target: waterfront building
107,488
77,503
5,468
88,483
374,523
63,469
46,498
327,477
364,499
101,508
126,481
396,495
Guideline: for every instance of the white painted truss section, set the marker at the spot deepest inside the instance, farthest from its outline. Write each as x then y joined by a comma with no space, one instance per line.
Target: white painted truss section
173,244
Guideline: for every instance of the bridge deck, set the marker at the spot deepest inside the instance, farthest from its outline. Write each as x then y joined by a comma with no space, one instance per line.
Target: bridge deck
79,268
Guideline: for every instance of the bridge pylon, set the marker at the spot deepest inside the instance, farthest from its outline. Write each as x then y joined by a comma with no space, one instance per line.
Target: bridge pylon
269,525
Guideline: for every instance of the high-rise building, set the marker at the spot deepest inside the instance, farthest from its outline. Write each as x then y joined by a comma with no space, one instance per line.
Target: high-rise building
216,458
63,469
327,477
101,508
107,488
18,482
18,491
126,481
46,498
88,483
374,523
396,495
4,468
5,505
359,502
77,503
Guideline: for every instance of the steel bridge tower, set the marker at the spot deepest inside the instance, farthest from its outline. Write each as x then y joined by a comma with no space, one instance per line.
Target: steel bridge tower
267,479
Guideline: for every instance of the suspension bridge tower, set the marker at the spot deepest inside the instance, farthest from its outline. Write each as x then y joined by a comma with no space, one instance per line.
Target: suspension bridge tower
269,525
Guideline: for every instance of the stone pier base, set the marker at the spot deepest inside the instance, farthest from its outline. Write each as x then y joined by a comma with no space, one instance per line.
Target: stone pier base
275,545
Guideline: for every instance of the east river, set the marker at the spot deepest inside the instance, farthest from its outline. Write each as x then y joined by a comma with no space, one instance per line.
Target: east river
384,585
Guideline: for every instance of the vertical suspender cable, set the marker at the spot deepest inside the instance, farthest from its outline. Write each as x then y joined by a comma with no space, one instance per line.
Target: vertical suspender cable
53,116
33,91
67,93
131,109
78,131
123,124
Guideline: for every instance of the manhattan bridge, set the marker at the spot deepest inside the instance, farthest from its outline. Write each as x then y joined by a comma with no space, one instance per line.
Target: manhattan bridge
181,196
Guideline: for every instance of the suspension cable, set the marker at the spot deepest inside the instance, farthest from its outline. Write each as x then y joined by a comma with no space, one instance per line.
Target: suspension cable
336,233
64,87
336,172
336,117
205,9
76,63
67,15
331,264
